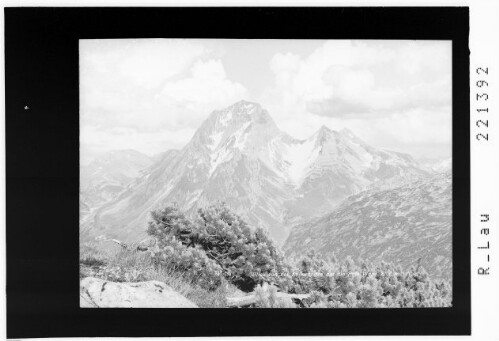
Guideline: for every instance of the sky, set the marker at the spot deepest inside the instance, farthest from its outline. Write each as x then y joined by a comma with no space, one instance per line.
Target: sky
152,94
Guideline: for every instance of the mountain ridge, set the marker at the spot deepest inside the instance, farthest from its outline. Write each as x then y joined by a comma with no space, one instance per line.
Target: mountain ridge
240,156
106,176
398,224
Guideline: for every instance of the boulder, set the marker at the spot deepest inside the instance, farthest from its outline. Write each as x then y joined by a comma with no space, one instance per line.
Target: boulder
99,293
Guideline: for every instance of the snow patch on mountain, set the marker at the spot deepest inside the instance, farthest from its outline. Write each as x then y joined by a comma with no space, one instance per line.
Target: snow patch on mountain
215,138
224,119
300,157
240,136
218,158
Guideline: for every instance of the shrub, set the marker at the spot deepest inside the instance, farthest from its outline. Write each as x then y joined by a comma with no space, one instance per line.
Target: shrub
91,256
317,299
419,291
123,274
218,243
175,248
191,262
313,274
247,256
348,285
170,223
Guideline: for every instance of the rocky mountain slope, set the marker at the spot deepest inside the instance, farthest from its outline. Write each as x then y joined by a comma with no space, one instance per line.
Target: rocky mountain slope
238,155
399,224
437,165
104,178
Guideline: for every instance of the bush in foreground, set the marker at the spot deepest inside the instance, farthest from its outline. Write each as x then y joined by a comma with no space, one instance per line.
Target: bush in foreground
219,242
176,249
349,285
247,256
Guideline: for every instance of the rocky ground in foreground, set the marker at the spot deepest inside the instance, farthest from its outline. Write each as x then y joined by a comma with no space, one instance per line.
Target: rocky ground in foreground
98,293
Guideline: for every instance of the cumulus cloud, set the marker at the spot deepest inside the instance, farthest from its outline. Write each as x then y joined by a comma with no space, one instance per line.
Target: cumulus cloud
207,86
366,84
148,95
152,94
143,62
353,77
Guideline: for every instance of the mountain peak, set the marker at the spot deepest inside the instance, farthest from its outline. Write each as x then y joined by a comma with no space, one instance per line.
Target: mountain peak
242,125
245,103
323,134
324,129
243,112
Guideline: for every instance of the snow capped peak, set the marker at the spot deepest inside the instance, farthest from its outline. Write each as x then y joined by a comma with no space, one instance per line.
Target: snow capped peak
324,130
242,108
249,111
323,134
245,104
238,114
245,128
232,125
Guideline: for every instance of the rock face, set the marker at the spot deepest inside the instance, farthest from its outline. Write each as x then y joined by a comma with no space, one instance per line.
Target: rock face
98,293
238,155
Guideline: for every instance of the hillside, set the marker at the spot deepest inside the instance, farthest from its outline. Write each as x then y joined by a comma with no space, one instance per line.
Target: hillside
399,225
107,176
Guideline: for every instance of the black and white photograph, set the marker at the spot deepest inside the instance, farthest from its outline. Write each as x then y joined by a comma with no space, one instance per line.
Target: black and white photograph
250,170
265,173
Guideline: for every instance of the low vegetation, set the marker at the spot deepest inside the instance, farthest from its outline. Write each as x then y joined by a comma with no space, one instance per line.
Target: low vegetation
217,255
136,266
